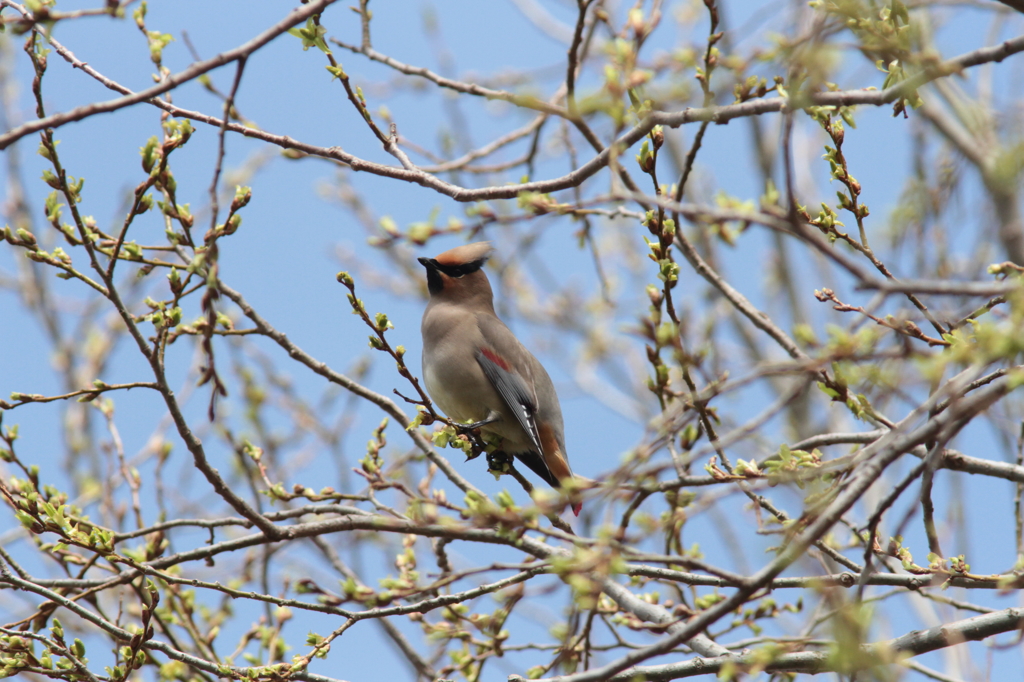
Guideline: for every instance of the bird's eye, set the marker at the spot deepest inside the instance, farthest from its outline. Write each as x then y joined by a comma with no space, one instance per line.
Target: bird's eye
461,270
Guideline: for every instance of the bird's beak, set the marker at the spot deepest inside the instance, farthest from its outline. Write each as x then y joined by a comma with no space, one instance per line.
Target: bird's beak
428,263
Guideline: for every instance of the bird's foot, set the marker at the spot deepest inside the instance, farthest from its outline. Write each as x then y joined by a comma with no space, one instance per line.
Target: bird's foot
491,418
476,445
471,432
499,462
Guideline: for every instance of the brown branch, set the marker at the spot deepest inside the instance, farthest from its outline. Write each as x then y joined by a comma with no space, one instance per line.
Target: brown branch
941,287
171,82
572,62
524,101
386,404
88,394
151,354
122,635
874,460
718,115
913,644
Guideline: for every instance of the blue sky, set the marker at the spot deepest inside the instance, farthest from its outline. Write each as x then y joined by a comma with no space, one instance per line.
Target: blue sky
296,235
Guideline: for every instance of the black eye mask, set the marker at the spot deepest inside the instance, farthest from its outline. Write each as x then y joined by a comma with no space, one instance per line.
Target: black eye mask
461,269
434,283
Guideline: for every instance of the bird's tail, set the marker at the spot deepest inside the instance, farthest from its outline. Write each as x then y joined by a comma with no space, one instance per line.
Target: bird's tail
552,467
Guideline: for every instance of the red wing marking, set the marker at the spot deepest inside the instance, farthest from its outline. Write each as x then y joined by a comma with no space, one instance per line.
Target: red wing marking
495,358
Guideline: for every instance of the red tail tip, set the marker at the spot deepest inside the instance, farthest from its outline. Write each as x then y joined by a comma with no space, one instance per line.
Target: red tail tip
576,508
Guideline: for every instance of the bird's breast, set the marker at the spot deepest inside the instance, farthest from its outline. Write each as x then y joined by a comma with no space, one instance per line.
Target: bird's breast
454,379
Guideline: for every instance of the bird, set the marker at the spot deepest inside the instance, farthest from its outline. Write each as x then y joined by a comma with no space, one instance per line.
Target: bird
479,374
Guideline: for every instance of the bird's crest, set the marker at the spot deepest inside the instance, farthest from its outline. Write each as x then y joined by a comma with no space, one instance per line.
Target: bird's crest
466,258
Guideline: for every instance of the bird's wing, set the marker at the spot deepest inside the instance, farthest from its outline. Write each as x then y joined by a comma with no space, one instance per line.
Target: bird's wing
513,390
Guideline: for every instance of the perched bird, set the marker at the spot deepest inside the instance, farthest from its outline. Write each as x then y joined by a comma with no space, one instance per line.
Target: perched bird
477,371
